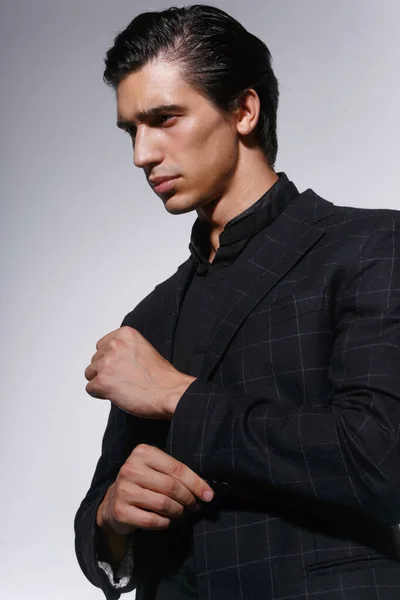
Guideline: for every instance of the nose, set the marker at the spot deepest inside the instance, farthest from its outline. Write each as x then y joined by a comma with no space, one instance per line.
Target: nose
145,150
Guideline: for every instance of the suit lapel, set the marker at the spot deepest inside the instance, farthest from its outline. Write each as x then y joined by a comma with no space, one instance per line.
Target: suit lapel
264,261
157,315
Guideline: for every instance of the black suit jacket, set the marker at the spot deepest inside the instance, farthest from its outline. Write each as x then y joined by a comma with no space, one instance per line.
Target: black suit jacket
297,411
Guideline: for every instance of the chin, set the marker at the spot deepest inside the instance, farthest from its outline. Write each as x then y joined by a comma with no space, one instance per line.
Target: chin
177,206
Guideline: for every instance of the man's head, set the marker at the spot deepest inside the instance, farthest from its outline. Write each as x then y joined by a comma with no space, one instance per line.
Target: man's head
219,80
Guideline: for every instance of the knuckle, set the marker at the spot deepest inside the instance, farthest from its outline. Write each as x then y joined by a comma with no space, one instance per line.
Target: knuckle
164,503
101,385
150,520
114,344
177,470
105,363
124,487
171,488
126,471
179,510
119,512
128,332
142,449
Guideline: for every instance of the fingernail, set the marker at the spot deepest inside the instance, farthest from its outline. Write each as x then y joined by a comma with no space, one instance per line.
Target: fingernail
207,496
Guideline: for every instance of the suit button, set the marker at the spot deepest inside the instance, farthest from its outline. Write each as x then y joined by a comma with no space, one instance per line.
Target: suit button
221,488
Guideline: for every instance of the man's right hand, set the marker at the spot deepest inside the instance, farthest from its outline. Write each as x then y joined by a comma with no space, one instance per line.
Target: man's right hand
151,488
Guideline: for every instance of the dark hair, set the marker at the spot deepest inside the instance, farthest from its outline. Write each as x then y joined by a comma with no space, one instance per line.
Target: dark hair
218,56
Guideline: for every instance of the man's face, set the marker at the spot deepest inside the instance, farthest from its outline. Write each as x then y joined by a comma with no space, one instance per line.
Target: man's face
191,142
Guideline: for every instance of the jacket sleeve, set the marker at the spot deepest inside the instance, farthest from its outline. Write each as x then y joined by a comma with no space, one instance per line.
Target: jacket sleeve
116,447
123,432
346,449
121,576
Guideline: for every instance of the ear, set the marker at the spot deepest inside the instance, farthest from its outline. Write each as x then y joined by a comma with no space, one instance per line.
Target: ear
248,112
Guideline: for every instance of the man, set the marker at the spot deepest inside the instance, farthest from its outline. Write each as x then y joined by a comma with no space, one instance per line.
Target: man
252,448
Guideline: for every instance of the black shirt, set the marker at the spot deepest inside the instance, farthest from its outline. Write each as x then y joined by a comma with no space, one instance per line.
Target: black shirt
194,328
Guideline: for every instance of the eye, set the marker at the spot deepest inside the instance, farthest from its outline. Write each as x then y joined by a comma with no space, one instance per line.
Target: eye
161,120
164,118
131,131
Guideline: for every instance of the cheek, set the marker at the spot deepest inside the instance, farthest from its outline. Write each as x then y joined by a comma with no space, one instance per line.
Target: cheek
211,155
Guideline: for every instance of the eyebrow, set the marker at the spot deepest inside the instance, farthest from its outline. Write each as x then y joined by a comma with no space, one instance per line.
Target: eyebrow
145,115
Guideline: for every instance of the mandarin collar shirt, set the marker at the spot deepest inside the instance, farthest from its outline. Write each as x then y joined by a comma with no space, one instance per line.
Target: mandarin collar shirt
206,289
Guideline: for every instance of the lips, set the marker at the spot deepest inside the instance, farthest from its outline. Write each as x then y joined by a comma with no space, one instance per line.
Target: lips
164,184
158,180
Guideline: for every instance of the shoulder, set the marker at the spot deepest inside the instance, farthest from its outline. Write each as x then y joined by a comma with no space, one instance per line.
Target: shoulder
360,253
356,225
365,219
366,233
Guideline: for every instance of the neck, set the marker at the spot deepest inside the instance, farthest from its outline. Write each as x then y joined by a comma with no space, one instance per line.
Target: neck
241,193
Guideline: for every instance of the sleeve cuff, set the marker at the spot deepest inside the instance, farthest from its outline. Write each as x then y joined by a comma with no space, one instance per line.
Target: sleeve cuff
122,576
190,420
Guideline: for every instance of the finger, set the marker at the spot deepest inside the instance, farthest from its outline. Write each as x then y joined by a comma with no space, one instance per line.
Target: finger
138,517
94,391
107,338
164,463
157,503
97,356
91,371
149,479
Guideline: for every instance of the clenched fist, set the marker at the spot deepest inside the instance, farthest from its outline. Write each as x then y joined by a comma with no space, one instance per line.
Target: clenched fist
129,371
151,489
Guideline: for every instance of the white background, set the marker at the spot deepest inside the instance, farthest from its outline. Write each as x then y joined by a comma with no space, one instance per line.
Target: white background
83,238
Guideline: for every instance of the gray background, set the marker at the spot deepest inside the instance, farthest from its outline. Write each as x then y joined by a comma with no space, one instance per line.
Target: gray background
83,237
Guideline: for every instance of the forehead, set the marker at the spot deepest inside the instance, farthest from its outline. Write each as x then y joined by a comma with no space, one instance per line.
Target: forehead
157,83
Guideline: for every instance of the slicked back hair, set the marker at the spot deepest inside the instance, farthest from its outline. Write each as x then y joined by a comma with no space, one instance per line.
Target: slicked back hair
217,56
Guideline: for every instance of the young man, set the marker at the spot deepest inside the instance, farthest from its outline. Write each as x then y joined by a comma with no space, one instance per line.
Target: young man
252,448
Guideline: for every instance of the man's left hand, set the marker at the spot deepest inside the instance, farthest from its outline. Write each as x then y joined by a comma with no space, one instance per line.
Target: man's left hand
129,371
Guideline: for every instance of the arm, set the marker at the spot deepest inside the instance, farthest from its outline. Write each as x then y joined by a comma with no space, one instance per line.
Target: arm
115,557
112,546
114,551
345,450
159,490
89,547
123,432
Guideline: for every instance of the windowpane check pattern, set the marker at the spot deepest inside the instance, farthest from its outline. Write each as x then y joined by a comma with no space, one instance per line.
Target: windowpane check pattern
297,409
